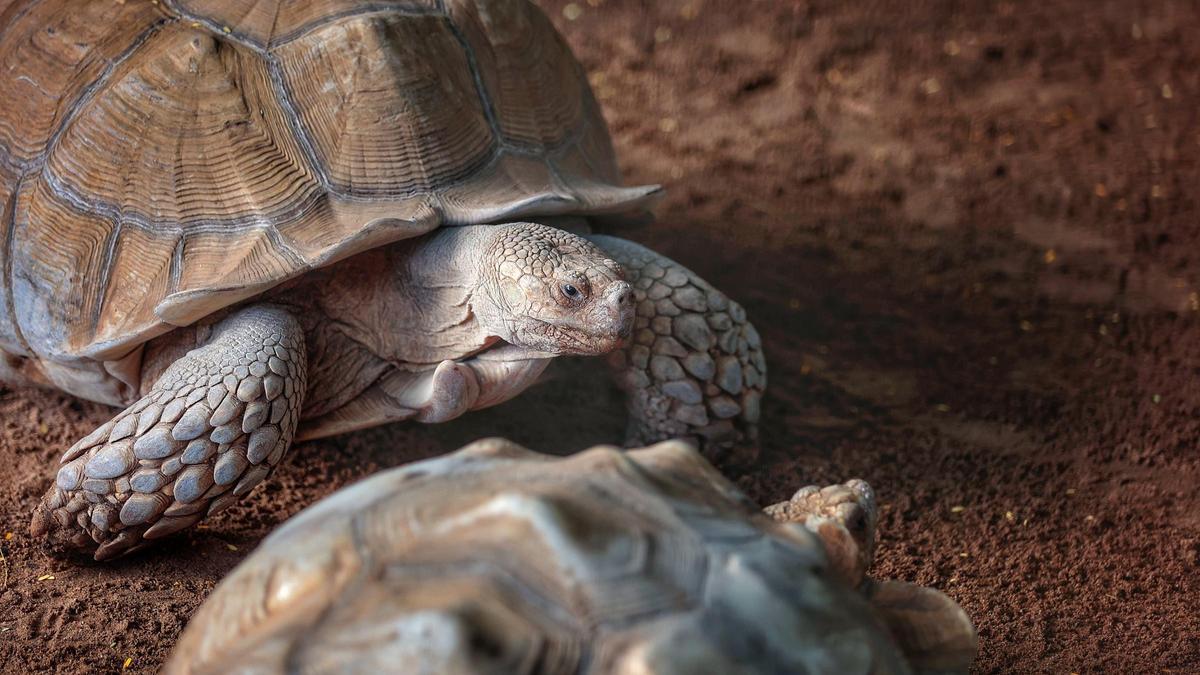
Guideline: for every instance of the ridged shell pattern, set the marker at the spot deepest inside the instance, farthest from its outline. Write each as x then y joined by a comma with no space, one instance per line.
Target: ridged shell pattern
163,160
496,559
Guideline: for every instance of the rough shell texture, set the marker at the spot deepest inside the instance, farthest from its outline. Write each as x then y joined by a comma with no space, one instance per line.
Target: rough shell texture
499,560
161,160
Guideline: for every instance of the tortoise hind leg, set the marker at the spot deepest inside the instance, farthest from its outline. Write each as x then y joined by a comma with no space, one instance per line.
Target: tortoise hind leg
213,426
694,367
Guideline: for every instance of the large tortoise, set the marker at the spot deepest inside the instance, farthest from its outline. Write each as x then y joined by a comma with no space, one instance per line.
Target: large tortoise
498,560
234,221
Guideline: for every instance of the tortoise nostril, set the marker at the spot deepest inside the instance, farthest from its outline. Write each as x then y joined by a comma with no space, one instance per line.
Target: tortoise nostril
624,294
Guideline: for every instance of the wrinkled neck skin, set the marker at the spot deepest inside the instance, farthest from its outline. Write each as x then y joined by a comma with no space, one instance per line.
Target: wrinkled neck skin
415,303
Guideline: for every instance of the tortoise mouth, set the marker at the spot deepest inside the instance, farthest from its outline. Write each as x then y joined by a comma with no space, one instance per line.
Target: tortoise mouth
568,339
503,350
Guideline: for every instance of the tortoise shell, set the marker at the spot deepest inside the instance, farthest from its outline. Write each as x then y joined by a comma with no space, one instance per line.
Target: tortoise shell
496,559
160,160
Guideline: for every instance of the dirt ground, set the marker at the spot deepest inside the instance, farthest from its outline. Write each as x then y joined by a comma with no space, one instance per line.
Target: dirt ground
969,236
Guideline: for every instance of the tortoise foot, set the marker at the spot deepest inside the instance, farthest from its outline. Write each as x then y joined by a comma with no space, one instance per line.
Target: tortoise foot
214,425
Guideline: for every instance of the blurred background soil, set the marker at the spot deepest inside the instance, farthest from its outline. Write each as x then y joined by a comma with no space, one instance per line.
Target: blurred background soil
969,236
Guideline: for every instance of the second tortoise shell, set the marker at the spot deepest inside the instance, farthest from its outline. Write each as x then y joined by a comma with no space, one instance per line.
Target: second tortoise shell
496,559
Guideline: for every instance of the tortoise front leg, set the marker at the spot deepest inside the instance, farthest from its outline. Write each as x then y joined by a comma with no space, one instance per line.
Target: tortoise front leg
694,367
214,425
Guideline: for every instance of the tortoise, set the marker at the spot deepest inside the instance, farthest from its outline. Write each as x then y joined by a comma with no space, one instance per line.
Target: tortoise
497,559
247,224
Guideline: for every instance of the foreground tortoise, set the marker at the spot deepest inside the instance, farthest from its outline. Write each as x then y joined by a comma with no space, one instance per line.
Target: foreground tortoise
232,220
499,560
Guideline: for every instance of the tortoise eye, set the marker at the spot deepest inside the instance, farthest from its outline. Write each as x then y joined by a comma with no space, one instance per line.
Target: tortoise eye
570,291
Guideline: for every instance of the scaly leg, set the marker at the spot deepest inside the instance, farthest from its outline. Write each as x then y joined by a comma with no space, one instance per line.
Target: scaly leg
694,368
214,425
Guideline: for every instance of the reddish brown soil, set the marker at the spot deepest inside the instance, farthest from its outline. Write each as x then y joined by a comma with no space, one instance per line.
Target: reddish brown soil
969,236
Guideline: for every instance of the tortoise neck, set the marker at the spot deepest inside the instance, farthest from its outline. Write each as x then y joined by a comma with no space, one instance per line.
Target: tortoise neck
451,256
464,259
412,302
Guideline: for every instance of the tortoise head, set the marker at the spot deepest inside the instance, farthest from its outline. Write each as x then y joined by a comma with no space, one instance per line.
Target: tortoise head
553,291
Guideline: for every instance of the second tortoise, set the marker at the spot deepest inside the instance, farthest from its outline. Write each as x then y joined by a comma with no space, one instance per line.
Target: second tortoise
498,560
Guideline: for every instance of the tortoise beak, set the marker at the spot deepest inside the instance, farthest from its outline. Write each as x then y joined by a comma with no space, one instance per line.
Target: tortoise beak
616,320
